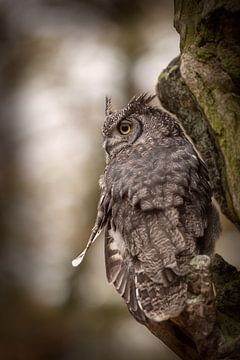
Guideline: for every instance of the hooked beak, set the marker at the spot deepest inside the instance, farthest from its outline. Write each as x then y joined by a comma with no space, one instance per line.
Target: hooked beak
107,146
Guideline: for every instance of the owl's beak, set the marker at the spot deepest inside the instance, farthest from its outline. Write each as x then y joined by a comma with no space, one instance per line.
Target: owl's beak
107,146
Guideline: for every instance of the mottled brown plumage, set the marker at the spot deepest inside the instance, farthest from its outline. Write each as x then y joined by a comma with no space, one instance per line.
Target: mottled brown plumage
156,209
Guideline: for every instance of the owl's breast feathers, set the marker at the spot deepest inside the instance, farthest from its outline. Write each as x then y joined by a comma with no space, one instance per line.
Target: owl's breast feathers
157,207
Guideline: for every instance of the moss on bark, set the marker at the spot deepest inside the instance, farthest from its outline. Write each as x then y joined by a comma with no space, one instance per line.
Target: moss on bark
202,88
208,87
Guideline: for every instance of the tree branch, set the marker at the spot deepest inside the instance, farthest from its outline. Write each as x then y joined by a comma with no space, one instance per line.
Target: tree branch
209,327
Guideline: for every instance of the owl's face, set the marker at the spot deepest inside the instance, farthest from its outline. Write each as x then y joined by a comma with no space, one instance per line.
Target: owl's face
135,124
122,134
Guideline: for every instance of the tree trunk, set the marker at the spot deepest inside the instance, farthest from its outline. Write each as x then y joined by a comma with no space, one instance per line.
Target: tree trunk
202,88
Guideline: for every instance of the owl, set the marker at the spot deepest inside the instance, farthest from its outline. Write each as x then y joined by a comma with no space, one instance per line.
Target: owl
155,208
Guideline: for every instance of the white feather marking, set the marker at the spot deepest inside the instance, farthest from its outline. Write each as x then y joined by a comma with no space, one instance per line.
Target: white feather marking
77,261
118,243
116,257
137,294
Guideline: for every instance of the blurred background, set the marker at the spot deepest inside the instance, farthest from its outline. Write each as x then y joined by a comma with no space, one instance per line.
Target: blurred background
58,61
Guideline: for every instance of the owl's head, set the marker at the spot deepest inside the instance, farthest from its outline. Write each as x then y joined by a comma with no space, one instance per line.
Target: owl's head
137,123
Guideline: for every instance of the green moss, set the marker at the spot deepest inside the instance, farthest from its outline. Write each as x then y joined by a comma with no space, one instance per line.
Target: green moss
204,54
229,326
167,72
205,98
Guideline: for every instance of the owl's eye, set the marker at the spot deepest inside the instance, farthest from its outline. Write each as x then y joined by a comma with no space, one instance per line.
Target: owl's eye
125,127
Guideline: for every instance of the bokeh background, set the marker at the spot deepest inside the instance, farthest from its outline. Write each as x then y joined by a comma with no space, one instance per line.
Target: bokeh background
58,60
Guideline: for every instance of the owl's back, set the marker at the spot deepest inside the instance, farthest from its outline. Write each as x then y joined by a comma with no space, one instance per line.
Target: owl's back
160,204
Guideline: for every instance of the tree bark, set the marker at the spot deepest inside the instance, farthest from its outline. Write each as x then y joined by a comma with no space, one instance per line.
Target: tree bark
209,327
202,88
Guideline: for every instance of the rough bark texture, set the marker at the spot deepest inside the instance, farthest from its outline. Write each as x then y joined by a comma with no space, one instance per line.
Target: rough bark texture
202,88
209,328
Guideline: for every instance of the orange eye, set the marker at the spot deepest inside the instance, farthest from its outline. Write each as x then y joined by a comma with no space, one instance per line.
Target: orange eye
125,127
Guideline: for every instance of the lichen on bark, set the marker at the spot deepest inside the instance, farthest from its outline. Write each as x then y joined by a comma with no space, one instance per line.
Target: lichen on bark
202,88
208,78
209,327
210,69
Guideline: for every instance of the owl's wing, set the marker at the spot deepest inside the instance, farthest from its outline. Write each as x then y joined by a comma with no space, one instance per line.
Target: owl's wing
104,207
160,210
145,296
120,271
174,182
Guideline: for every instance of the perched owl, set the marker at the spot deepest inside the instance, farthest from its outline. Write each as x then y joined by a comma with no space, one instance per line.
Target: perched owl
155,207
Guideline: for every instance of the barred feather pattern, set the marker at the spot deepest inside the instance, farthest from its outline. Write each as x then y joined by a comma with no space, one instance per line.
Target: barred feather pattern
156,208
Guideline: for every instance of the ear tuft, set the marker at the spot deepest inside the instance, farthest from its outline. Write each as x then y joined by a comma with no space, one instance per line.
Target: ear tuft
139,102
108,106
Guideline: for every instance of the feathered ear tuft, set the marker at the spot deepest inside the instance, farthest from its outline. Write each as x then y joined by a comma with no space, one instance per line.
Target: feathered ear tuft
108,106
145,98
141,100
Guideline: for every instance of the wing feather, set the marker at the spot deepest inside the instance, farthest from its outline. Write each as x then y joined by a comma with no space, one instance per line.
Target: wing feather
120,271
156,221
